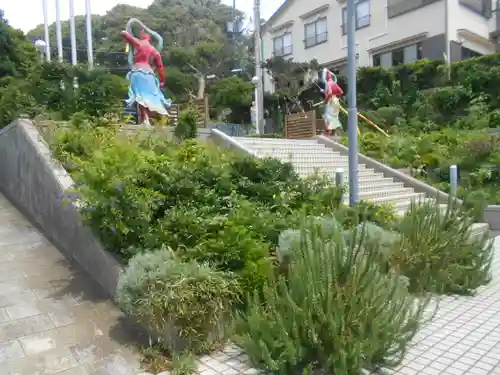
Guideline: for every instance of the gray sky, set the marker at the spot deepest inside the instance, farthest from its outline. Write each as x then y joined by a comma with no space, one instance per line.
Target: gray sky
27,14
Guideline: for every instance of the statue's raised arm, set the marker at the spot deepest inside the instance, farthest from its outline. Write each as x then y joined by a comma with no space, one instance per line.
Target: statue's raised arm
130,39
144,88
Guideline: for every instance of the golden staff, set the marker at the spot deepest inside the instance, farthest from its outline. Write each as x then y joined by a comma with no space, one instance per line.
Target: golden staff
361,117
343,110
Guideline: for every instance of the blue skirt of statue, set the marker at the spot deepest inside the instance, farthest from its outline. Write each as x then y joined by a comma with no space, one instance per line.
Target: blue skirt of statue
144,89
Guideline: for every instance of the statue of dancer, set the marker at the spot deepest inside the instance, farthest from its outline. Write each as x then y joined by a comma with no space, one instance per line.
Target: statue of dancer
144,88
332,104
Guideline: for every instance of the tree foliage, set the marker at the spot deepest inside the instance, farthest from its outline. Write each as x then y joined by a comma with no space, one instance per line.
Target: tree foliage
194,32
17,57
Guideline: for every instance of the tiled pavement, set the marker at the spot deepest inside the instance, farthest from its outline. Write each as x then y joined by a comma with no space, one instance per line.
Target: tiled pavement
464,336
54,320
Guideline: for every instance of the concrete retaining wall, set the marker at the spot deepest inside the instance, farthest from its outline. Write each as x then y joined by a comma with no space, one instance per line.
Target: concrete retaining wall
163,132
34,183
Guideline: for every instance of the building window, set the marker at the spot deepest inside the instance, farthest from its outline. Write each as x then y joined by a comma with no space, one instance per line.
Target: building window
362,15
399,7
405,55
482,7
469,54
316,32
282,45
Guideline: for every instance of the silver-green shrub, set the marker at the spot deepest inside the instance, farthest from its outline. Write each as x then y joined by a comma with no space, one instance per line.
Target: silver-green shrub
334,310
438,253
185,305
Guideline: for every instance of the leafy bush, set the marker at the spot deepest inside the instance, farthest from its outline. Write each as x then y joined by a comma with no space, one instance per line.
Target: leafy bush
187,127
208,204
335,310
184,304
437,252
16,100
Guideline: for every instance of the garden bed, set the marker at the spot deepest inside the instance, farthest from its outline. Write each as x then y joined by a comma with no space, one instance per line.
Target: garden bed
209,237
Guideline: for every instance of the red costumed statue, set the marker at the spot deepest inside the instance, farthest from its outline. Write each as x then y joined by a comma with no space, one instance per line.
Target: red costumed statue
332,104
145,88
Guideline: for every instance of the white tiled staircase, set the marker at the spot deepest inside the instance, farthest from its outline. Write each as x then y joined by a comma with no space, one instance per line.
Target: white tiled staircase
309,157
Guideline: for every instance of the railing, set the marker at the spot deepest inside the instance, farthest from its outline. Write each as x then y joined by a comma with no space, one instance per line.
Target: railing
232,130
398,7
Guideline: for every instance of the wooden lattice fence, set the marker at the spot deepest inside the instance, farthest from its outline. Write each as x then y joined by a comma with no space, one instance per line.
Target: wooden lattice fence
300,125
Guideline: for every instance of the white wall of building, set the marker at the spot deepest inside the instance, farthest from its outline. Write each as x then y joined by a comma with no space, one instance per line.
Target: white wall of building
424,22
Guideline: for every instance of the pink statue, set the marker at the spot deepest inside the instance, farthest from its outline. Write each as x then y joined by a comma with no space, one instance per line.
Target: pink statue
145,89
332,104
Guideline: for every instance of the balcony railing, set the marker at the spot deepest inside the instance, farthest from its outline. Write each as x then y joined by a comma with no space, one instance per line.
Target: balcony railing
398,7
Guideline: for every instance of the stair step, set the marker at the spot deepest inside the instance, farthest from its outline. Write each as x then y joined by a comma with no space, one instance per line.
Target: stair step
305,149
368,178
330,165
292,157
400,200
378,185
330,171
278,141
385,192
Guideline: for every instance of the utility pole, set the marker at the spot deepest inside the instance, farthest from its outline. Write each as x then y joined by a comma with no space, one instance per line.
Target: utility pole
259,100
447,37
72,29
46,27
90,48
234,30
352,124
58,31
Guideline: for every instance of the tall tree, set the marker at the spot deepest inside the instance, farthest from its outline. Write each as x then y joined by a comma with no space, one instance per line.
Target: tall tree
195,33
17,57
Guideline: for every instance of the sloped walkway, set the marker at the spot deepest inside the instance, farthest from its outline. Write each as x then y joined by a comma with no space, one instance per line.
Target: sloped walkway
53,317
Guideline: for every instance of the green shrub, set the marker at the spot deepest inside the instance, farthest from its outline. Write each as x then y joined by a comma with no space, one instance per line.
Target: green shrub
335,310
16,100
187,127
382,215
101,94
386,117
186,305
437,252
451,102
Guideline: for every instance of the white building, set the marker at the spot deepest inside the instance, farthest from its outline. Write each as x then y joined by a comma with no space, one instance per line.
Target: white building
388,32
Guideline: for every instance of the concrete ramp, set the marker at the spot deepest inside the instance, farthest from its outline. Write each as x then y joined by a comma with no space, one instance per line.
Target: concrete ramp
56,280
54,318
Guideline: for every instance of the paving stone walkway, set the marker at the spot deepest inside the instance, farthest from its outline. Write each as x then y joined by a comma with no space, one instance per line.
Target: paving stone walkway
464,336
53,317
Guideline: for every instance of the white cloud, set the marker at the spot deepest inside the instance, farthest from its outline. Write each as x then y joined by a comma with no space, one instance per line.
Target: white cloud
27,14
